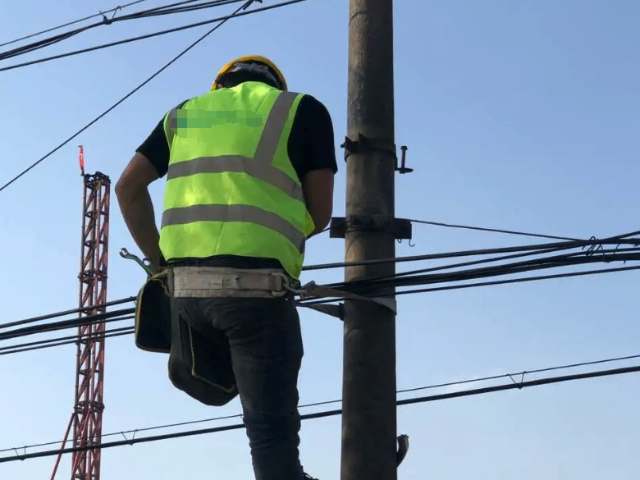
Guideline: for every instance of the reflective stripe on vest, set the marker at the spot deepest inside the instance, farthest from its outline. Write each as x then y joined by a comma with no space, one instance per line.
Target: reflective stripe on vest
234,213
259,167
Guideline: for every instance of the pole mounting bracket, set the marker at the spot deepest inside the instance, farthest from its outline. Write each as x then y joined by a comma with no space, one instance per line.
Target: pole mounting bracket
365,144
399,227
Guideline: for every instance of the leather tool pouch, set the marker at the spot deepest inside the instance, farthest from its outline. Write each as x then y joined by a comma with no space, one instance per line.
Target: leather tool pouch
195,367
153,315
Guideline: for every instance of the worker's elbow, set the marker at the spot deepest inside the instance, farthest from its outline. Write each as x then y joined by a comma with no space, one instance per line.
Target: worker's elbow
125,191
318,189
322,216
135,179
121,190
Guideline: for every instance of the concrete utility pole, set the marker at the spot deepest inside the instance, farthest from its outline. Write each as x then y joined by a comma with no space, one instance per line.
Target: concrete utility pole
369,389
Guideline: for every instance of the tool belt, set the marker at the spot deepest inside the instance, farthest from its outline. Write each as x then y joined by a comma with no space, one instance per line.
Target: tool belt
222,282
194,367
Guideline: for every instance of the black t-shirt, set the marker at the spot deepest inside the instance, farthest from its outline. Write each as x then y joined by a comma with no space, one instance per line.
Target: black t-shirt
310,147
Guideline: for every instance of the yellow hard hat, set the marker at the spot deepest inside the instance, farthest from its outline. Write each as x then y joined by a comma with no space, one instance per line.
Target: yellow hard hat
250,58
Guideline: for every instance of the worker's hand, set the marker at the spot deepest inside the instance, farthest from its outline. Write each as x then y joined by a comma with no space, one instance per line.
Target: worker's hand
157,265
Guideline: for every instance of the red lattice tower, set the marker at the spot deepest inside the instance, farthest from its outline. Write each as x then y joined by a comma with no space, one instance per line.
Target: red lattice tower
86,418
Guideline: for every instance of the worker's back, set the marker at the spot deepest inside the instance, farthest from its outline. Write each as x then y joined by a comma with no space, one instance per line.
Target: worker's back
231,187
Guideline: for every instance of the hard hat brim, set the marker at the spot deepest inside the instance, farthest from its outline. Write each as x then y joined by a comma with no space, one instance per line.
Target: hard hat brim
250,58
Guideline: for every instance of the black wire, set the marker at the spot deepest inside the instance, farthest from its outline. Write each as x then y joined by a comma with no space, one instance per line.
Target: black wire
178,8
68,312
329,402
101,14
331,413
592,243
462,264
469,227
521,280
68,340
31,47
400,280
493,230
118,315
306,303
405,279
564,260
152,35
107,111
115,316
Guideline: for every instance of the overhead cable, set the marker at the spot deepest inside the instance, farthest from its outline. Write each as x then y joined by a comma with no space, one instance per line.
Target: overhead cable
152,35
122,315
528,250
74,22
123,99
492,230
521,280
507,376
108,317
557,261
592,243
178,7
68,340
320,301
403,279
67,312
166,10
331,413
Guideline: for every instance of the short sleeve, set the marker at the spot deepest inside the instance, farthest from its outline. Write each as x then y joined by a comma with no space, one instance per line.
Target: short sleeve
156,149
311,143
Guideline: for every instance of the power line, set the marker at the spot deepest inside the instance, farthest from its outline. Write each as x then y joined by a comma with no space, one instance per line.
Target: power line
179,8
67,312
529,250
68,340
118,315
483,284
74,22
163,10
404,279
493,230
115,316
123,99
521,280
331,413
509,376
592,243
556,261
60,341
152,35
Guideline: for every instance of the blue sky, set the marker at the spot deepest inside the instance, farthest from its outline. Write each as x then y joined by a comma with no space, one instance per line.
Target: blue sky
519,115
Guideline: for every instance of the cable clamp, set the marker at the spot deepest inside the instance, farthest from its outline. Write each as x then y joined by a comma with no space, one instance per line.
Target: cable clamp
251,2
365,144
312,289
400,228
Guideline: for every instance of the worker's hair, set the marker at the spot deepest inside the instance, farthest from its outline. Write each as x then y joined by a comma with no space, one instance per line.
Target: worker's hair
232,79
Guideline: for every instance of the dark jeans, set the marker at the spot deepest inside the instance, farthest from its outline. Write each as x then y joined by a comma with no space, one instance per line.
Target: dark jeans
263,341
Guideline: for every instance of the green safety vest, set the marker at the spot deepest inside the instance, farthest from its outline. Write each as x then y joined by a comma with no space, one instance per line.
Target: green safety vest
231,188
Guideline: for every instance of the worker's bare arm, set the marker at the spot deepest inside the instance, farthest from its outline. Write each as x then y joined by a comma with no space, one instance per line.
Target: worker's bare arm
136,205
318,193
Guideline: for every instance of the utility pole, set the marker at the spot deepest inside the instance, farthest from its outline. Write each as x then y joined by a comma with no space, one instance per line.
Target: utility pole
370,232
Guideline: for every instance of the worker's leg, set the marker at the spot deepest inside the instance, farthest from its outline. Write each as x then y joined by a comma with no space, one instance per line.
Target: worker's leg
266,352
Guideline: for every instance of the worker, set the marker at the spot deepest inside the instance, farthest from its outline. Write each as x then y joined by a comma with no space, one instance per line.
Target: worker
250,173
